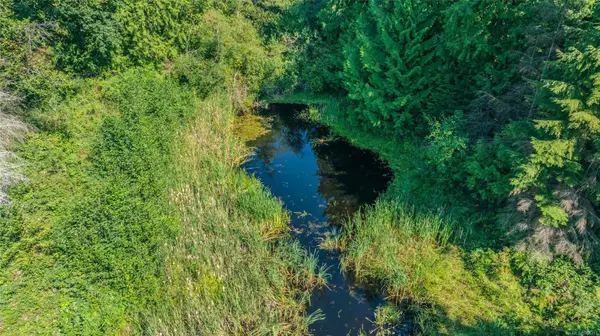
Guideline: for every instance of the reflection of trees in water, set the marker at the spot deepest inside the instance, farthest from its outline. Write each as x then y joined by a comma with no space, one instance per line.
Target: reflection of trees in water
287,133
349,177
266,150
339,203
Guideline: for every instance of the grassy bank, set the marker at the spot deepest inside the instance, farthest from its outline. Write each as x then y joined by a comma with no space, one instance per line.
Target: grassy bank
137,219
225,276
419,265
409,254
428,255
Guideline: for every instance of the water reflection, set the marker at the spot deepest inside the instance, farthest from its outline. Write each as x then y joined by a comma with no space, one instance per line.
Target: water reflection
321,180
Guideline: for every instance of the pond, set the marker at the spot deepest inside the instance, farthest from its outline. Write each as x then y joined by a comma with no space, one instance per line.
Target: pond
321,180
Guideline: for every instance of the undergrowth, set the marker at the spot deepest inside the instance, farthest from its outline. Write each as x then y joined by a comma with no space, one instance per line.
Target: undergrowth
444,266
225,277
137,219
415,258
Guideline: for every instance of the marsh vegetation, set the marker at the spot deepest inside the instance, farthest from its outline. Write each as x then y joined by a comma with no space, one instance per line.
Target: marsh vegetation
126,125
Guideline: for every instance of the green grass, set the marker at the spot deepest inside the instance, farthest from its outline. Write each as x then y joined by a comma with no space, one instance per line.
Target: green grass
425,247
137,219
410,254
413,256
225,277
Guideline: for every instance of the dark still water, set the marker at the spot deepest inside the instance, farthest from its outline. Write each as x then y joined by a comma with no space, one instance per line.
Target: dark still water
321,181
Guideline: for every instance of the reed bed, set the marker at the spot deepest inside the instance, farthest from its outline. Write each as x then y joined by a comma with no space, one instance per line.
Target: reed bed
230,271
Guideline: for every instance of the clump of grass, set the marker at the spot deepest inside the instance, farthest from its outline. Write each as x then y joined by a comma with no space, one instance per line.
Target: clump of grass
224,274
412,256
332,241
383,239
310,114
387,318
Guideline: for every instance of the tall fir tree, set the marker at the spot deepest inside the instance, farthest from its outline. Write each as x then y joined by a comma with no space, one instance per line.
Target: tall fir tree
394,70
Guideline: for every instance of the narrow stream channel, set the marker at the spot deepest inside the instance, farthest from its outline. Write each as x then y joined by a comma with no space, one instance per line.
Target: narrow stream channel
321,183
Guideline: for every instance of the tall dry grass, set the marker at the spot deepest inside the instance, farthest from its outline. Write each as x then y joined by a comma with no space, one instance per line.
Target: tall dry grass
11,129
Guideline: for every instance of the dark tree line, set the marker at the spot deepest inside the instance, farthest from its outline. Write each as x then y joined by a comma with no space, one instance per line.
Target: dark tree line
501,95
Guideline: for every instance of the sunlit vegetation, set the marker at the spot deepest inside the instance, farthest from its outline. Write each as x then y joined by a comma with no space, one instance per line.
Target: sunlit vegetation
123,209
483,292
223,277
132,215
486,111
500,99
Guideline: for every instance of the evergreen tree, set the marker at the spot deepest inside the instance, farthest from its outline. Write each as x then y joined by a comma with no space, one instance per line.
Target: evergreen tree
560,175
393,69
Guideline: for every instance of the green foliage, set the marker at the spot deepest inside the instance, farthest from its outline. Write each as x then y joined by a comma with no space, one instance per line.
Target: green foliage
413,257
488,170
98,241
87,34
26,70
101,239
227,53
204,76
93,216
92,37
445,140
223,276
154,31
410,254
566,297
524,76
390,67
563,145
486,108
517,167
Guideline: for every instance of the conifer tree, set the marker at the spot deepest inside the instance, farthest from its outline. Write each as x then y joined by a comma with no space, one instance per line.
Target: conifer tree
393,69
561,172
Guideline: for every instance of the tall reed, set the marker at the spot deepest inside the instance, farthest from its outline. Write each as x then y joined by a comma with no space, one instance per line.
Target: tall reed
225,274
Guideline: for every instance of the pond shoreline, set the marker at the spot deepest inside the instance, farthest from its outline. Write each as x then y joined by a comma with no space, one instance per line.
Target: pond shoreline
321,179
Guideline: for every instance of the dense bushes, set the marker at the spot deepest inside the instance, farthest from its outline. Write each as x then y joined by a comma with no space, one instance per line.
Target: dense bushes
94,214
225,53
121,195
88,38
103,237
459,79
